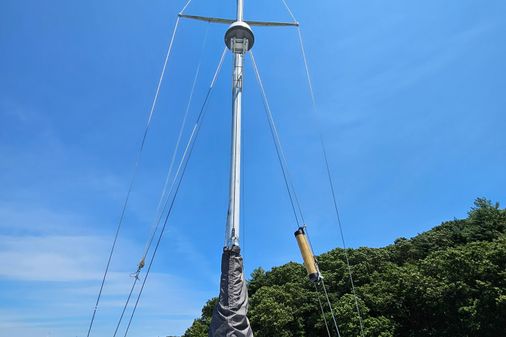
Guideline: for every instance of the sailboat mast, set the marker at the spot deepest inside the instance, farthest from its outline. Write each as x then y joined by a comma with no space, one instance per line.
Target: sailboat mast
230,313
240,10
234,208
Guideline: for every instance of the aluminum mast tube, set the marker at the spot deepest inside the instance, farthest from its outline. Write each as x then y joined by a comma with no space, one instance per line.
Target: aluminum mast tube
239,39
240,10
230,313
232,232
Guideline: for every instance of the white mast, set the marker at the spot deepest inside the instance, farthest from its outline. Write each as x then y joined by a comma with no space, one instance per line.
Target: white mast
239,39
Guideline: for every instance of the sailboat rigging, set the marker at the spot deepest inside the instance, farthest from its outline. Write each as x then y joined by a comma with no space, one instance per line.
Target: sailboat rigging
230,314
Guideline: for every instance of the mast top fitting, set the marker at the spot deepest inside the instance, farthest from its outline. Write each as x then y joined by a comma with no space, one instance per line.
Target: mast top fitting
239,37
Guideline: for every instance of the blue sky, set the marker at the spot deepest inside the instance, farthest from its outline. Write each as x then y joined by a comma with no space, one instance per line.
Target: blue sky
411,98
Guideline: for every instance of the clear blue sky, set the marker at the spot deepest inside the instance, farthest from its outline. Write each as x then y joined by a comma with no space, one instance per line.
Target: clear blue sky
412,98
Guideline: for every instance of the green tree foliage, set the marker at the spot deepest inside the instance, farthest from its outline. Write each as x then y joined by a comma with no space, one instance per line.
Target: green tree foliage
449,281
200,327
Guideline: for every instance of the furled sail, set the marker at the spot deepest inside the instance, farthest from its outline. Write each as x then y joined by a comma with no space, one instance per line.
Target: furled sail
229,316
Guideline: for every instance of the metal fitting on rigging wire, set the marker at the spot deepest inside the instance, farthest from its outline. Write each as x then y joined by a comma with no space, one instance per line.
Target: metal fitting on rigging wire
139,268
239,37
312,269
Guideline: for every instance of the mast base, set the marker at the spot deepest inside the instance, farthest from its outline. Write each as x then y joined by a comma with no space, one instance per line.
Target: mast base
229,315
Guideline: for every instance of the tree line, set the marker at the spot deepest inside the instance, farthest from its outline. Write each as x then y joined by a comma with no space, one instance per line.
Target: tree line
449,281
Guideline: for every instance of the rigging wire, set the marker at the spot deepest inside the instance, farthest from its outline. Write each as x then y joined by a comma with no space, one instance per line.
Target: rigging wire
332,189
331,308
289,11
327,166
323,283
297,210
323,311
159,210
185,6
176,183
283,164
159,213
134,174
136,278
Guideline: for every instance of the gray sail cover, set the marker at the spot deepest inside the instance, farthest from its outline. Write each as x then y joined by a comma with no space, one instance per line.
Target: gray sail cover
229,316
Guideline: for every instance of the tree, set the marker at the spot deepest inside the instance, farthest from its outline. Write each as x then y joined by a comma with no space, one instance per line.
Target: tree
449,281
